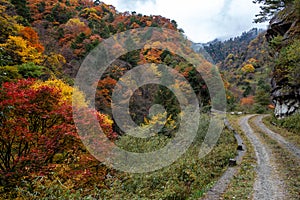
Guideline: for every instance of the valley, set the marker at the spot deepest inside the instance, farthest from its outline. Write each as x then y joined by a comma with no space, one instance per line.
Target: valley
101,104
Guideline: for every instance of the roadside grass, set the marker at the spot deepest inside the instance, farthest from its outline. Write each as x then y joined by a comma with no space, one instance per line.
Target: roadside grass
287,163
292,135
241,186
188,178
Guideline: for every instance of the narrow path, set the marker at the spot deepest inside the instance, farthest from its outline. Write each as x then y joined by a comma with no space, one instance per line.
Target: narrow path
267,185
287,145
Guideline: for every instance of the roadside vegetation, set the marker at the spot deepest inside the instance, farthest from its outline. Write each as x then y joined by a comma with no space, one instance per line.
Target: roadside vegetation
241,186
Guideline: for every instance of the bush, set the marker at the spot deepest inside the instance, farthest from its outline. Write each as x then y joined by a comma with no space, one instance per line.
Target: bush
34,127
188,177
291,123
30,70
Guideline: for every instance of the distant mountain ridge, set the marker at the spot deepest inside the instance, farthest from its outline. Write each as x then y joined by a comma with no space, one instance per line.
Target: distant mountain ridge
218,50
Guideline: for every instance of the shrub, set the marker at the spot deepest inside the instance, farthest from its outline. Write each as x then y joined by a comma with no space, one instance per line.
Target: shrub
30,70
291,123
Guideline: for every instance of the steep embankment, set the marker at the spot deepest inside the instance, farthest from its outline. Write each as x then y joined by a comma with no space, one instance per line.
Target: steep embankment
283,35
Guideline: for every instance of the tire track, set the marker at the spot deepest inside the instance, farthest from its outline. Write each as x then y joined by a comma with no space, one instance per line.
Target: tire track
287,145
267,185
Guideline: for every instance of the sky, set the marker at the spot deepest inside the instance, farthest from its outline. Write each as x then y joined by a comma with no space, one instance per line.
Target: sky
201,20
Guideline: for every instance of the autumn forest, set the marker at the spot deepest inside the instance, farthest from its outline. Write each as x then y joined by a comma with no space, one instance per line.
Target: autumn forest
43,44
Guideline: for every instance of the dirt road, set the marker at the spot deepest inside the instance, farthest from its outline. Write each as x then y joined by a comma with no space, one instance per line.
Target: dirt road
268,184
272,177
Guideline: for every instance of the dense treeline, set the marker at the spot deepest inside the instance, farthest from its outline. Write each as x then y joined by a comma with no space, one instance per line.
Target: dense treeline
42,45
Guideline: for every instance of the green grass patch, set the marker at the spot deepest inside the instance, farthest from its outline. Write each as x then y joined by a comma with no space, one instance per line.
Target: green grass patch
290,123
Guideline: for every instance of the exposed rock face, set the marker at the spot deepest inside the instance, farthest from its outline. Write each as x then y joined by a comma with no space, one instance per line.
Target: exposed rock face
286,97
286,107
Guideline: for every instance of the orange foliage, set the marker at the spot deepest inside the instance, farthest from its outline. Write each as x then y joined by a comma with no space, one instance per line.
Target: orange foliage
247,101
271,106
104,91
32,37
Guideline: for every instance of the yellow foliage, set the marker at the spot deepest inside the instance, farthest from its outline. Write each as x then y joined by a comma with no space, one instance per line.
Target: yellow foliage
54,62
248,68
17,46
66,91
75,22
252,61
18,27
106,119
159,118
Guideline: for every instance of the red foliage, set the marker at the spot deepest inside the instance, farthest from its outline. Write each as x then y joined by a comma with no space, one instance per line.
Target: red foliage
35,125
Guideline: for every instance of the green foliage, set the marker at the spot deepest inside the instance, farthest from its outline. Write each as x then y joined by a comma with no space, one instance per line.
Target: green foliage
60,14
262,98
23,10
30,70
231,53
269,8
247,91
288,63
276,42
26,70
291,123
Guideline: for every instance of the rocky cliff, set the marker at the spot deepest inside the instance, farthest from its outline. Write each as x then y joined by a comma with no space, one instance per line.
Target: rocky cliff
284,29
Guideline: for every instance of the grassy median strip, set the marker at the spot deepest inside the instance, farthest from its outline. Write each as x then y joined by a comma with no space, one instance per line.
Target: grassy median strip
288,165
241,186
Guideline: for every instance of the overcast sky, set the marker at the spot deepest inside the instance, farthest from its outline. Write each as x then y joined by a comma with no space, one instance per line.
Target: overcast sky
201,20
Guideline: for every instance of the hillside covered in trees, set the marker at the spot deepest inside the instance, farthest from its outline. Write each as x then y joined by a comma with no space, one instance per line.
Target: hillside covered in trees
42,47
262,66
244,62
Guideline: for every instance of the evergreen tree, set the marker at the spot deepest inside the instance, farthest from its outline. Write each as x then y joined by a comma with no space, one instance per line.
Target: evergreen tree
269,8
22,10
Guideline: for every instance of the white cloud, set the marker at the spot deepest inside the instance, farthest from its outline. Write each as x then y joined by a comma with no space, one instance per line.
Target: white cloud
201,20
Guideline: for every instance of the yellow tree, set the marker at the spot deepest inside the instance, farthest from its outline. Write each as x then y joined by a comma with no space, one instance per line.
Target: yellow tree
66,90
19,51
